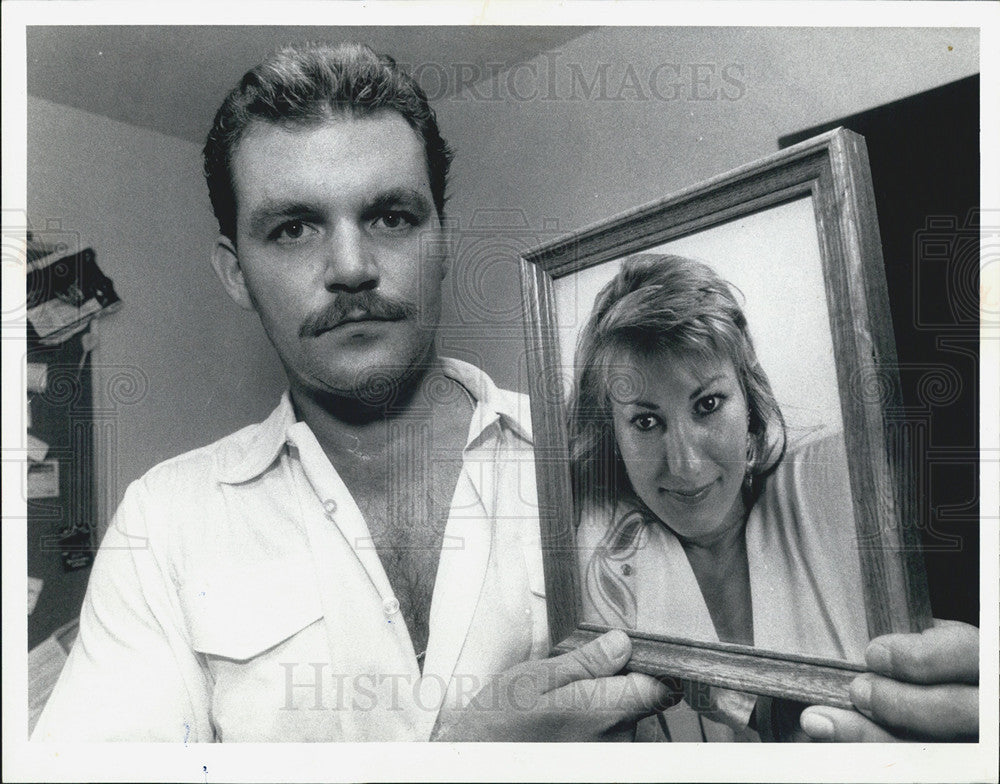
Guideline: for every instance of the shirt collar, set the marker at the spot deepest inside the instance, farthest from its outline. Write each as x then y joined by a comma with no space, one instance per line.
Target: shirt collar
248,453
492,404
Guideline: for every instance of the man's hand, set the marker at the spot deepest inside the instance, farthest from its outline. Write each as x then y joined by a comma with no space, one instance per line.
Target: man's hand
930,690
574,697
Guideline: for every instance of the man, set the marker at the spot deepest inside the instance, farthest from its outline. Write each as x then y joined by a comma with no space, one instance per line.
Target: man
365,564
371,552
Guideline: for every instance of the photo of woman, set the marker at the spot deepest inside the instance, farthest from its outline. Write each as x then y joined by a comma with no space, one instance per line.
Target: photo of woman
699,516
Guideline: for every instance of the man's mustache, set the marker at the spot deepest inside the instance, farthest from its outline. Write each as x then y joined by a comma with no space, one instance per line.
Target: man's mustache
357,305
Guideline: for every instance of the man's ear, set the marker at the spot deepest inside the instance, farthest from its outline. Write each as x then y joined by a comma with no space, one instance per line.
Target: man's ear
226,263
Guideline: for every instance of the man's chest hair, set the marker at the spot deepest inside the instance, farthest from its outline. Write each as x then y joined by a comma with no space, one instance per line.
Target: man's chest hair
407,525
405,495
411,511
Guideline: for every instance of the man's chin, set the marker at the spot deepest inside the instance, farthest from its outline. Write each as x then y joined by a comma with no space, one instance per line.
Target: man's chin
375,384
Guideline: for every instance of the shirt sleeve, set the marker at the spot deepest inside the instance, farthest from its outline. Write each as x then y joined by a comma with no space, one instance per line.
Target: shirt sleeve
132,674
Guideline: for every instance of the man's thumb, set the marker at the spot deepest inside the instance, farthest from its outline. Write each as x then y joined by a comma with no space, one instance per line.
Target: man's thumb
600,658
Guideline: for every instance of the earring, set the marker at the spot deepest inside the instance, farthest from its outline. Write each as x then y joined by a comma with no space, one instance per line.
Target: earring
751,457
751,451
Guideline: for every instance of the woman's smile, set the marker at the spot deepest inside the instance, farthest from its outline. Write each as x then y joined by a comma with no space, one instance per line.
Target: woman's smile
689,495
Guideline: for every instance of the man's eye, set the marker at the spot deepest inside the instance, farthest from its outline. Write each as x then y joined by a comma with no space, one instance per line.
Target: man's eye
394,221
290,231
708,404
644,422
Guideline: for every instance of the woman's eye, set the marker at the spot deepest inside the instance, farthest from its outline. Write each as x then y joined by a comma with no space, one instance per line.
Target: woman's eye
708,404
644,422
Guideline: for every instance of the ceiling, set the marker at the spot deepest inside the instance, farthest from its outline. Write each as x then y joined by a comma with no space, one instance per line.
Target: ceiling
173,78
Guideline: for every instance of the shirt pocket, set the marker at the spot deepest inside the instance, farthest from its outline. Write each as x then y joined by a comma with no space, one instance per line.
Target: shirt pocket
241,613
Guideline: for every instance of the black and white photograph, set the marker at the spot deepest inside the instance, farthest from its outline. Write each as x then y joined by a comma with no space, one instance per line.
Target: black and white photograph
706,438
381,379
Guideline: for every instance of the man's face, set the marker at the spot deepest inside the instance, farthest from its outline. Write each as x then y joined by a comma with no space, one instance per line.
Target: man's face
336,240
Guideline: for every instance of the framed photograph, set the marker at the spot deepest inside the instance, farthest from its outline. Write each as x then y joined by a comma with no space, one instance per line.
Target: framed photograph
721,448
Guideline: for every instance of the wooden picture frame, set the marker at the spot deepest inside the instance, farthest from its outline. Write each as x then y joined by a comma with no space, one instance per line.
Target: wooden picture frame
832,171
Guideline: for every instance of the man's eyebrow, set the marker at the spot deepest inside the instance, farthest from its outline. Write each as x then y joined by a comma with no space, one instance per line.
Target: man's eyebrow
268,211
394,197
706,384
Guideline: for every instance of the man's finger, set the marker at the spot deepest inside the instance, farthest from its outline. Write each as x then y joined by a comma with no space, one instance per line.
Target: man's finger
599,658
628,697
821,723
942,712
946,653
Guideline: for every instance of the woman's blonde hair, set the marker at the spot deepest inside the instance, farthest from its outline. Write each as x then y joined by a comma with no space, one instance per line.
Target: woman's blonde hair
656,304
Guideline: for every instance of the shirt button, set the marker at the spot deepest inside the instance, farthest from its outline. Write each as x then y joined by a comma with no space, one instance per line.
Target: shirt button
330,506
626,569
390,606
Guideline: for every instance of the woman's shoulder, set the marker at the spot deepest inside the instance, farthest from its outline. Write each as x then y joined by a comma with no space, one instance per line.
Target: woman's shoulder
818,461
811,486
823,444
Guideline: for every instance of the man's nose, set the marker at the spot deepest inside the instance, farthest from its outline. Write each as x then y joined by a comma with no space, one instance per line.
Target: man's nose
350,261
681,453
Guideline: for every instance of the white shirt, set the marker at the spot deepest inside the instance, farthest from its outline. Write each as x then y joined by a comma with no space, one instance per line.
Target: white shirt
237,595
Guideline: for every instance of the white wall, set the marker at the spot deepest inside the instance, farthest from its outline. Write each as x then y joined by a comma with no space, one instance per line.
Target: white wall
570,162
137,197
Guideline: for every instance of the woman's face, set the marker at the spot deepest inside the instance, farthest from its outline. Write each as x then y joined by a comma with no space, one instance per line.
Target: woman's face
681,429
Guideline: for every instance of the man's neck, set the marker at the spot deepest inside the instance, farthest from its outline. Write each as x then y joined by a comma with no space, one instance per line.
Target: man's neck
353,432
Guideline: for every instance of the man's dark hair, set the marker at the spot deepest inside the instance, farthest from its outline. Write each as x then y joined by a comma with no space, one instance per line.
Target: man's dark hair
308,85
